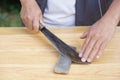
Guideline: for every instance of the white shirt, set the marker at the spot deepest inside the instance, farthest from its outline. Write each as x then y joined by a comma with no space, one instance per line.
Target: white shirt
60,13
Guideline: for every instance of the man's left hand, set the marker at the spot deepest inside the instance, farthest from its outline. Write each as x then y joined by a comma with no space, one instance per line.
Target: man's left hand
96,39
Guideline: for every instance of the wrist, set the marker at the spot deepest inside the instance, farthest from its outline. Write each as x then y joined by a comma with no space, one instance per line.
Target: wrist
112,16
110,20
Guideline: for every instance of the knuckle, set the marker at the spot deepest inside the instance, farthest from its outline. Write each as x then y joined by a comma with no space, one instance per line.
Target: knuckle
95,48
91,56
28,17
89,47
23,18
30,27
97,35
101,48
91,33
85,56
35,26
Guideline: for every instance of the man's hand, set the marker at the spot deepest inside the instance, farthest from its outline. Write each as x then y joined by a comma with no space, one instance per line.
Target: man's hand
96,39
99,34
31,14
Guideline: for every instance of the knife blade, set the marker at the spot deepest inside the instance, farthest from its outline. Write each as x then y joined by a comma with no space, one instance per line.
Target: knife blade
61,46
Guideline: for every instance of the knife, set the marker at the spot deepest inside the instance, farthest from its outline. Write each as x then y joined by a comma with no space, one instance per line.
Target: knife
61,46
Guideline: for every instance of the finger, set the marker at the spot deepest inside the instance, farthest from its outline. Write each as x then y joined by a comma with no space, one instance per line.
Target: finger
29,24
84,35
24,22
89,48
94,51
36,24
101,50
83,47
41,19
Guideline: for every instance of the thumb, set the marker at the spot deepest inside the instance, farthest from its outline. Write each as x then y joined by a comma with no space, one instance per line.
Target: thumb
84,35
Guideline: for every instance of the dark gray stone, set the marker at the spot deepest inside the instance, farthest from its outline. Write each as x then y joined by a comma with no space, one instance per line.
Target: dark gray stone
63,64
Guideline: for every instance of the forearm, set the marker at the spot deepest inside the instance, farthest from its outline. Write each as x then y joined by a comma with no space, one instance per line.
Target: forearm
112,16
26,1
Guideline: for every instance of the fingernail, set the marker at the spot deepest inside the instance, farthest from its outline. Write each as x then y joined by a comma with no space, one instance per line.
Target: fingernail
89,60
97,57
80,54
83,60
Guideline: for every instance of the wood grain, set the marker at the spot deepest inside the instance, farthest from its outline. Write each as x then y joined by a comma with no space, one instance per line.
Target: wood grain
25,55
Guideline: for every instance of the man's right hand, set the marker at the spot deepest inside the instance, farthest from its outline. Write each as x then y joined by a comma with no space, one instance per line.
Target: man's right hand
31,14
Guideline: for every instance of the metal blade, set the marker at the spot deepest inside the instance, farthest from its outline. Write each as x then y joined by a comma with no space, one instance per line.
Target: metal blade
60,45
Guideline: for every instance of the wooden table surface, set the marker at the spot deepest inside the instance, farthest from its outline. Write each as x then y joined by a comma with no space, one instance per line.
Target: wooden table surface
25,55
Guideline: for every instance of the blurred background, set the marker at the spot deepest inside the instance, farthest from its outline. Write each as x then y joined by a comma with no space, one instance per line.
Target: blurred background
9,13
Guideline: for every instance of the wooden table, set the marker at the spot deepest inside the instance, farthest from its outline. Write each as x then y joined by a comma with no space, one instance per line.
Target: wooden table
25,55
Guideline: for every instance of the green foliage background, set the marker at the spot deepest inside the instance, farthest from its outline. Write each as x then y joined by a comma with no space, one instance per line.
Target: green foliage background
9,13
